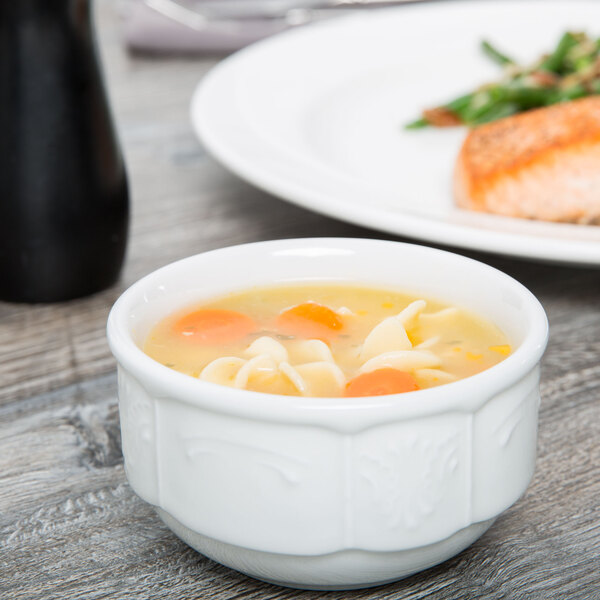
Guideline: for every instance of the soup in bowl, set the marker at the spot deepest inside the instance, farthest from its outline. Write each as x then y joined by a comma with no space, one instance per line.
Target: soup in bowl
298,468
326,340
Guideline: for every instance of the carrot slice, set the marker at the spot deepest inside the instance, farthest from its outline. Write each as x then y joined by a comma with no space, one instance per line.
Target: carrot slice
381,382
214,326
310,320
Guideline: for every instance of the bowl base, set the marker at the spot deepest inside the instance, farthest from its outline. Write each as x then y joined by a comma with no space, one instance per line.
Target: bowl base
344,570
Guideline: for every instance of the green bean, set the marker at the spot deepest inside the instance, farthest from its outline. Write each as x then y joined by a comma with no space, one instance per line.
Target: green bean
554,62
574,92
581,63
482,103
529,97
571,93
505,101
495,54
459,104
417,124
498,111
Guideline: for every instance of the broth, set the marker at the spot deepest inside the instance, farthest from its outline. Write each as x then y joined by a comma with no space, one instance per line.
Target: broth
318,339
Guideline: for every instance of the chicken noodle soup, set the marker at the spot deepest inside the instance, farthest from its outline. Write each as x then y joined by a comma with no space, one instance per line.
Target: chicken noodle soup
326,341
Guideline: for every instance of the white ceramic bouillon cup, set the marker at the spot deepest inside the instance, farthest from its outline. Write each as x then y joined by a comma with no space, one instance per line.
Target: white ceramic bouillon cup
329,493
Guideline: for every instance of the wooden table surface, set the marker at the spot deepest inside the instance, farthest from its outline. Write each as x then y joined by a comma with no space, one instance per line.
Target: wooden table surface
70,525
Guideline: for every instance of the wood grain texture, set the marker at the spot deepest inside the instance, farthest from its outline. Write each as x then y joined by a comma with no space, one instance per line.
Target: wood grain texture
70,526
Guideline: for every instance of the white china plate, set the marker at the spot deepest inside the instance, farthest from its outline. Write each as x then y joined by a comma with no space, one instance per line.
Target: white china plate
316,116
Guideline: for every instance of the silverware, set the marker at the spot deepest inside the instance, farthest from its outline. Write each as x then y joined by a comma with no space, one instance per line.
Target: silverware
199,15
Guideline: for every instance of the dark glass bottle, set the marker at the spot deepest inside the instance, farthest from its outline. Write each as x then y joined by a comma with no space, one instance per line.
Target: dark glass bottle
63,188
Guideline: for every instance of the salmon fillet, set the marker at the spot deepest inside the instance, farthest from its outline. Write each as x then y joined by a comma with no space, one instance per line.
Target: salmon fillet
542,164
